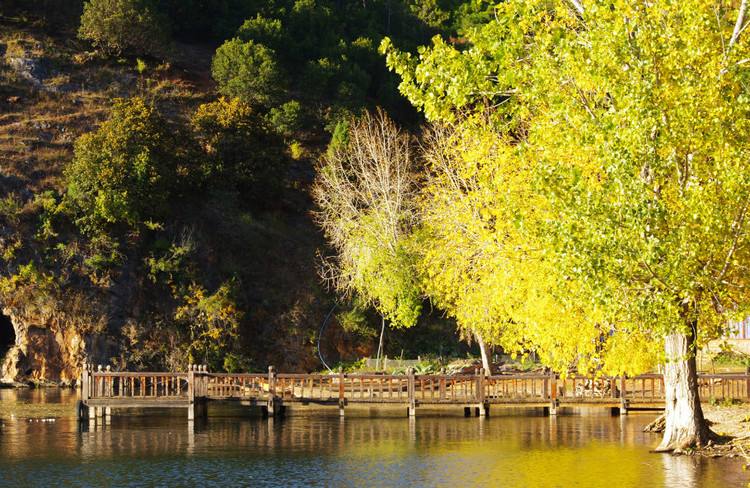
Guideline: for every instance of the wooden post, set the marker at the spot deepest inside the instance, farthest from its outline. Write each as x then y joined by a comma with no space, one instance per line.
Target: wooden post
197,391
553,402
481,394
107,383
342,399
82,408
191,392
272,404
99,390
410,388
623,397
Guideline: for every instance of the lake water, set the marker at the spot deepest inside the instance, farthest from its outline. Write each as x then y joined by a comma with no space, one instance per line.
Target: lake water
506,450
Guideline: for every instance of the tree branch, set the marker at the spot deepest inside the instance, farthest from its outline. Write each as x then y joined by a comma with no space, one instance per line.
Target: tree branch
738,224
579,6
738,26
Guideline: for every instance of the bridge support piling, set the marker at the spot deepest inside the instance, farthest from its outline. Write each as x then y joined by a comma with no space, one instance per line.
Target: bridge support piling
82,410
483,410
411,390
552,409
554,402
198,409
273,408
342,395
623,393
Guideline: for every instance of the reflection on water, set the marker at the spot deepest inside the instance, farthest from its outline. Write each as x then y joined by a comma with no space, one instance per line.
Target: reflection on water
507,451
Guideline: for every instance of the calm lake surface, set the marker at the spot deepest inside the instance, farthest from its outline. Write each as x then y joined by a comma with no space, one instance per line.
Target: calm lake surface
507,450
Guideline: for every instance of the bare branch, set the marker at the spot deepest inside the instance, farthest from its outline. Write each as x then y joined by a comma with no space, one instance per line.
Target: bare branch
739,25
578,6
738,226
365,194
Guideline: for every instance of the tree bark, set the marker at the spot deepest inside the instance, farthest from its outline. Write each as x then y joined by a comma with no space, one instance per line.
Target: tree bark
485,357
685,426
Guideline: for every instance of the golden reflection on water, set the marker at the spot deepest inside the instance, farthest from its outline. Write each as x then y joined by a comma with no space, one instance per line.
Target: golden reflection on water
507,451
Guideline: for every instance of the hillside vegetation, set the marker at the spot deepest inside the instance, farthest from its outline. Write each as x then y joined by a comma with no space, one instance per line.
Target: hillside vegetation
154,177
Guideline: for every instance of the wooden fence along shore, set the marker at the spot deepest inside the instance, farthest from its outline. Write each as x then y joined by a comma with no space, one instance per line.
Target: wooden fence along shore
104,390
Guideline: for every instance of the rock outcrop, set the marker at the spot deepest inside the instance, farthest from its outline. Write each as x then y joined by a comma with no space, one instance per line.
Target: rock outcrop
45,352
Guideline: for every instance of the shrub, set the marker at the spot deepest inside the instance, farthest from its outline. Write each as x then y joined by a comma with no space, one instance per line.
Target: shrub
116,26
263,30
247,70
340,136
242,150
123,172
286,119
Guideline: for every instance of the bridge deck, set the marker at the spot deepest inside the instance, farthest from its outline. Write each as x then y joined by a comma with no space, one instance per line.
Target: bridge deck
194,388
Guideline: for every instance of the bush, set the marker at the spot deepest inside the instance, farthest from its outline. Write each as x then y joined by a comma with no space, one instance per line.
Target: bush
340,136
123,172
117,26
242,150
262,30
248,71
286,119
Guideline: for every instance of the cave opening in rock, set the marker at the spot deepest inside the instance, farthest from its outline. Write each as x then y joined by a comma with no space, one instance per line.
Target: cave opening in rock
7,334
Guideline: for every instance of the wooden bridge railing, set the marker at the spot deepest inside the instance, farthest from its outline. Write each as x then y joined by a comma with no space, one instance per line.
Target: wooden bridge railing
104,383
197,383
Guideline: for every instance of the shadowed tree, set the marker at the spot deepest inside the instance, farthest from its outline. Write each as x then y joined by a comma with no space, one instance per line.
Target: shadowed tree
116,26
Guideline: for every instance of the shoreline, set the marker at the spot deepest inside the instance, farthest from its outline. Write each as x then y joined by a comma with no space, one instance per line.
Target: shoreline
733,424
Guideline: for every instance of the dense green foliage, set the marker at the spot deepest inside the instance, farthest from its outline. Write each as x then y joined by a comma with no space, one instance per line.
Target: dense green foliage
327,52
177,228
116,26
124,172
242,152
248,71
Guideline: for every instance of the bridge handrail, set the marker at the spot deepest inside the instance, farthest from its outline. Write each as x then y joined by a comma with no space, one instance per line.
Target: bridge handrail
198,382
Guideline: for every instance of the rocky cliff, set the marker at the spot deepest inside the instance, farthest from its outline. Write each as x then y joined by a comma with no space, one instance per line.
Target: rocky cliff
45,350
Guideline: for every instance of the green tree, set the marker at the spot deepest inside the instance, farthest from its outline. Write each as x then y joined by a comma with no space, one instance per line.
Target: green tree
212,320
117,26
242,151
287,118
630,123
123,173
247,70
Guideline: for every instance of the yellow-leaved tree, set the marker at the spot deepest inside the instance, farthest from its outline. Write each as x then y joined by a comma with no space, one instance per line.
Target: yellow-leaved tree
614,186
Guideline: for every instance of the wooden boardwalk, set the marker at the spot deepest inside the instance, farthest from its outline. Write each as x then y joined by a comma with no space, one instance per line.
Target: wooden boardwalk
104,390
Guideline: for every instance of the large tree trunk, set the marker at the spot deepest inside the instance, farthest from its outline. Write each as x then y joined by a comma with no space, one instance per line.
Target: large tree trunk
685,425
485,357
